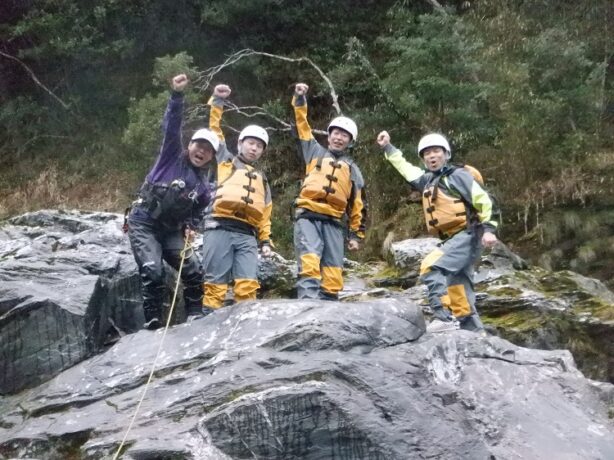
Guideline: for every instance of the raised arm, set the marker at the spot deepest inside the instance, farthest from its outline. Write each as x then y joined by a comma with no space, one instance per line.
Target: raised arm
216,103
410,173
299,102
171,146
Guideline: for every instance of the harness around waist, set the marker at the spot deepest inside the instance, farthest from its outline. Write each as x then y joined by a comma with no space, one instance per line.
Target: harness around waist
171,203
328,181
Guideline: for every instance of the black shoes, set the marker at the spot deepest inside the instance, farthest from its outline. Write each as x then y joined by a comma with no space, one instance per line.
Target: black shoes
193,315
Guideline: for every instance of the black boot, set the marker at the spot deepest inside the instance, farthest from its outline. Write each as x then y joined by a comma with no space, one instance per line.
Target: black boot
153,317
153,324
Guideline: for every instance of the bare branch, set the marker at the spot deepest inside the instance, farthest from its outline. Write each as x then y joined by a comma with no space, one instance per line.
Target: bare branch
34,78
436,5
204,80
258,111
252,111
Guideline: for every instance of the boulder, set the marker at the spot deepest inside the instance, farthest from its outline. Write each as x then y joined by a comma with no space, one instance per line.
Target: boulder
313,380
68,279
550,310
529,306
69,287
408,254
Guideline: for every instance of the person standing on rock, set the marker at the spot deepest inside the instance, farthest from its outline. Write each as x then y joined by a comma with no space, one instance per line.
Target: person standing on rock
171,201
238,221
333,186
460,212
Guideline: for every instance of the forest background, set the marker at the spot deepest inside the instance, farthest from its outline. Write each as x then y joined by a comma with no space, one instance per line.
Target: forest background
523,88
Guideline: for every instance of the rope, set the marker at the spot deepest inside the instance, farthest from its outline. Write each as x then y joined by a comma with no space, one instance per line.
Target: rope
186,246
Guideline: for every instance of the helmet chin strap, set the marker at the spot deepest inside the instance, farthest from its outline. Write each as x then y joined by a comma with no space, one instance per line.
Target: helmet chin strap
239,150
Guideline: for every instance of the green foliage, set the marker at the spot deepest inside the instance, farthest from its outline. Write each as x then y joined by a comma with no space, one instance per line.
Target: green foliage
577,239
166,67
431,77
543,91
523,90
143,134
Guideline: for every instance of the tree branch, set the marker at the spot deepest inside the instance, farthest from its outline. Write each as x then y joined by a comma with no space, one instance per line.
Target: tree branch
252,111
256,111
34,78
205,77
435,4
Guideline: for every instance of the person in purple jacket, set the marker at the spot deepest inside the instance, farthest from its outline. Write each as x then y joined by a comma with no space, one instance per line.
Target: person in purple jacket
170,205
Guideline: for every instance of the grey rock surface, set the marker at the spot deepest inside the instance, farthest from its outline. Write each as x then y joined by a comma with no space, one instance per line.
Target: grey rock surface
66,280
408,254
529,306
69,287
314,380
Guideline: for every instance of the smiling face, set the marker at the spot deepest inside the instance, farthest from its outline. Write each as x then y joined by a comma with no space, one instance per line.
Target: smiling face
434,158
251,149
200,152
338,139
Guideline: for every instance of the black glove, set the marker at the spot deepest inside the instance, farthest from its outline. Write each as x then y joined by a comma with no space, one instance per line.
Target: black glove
442,314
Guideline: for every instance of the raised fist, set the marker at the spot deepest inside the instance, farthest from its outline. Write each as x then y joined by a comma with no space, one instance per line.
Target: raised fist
301,89
383,139
222,91
180,82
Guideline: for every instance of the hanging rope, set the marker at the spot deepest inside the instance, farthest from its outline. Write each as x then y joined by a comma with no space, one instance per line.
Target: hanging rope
187,246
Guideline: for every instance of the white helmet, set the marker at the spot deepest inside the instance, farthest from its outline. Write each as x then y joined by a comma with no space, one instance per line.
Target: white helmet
346,124
255,131
434,140
205,134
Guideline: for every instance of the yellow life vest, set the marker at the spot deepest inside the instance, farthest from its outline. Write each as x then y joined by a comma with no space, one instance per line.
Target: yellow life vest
444,215
241,194
328,181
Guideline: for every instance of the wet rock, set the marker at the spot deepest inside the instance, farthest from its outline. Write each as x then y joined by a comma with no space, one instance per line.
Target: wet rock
69,286
314,380
276,276
66,278
408,254
530,306
404,280
541,309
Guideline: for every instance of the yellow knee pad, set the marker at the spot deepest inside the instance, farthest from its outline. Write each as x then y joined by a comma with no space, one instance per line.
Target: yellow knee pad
310,266
245,289
214,295
332,279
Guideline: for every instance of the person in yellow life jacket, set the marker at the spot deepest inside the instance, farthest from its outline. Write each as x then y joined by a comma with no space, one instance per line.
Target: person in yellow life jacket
238,221
333,186
460,212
